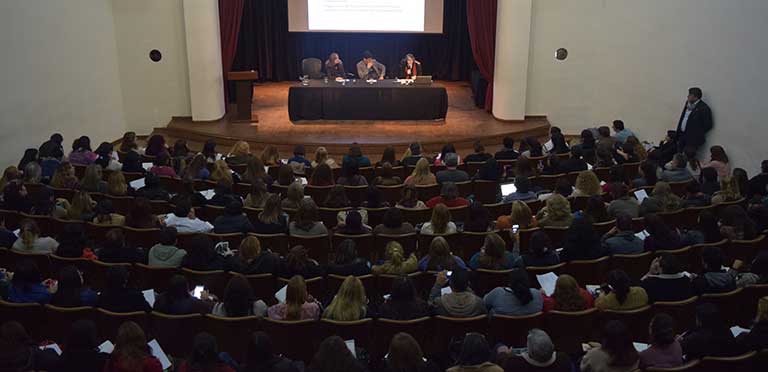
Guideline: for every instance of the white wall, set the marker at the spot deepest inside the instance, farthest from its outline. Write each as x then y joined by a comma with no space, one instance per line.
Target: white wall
206,79
153,92
634,60
513,37
58,72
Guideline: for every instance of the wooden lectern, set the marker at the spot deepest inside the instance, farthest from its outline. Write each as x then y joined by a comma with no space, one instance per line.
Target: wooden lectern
243,94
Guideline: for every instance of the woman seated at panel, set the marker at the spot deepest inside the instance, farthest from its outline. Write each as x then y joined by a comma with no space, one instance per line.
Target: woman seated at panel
334,67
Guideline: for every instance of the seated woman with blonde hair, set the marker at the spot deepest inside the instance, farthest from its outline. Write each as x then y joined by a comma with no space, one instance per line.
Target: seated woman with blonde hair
350,303
222,172
662,199
729,191
520,215
557,212
395,261
240,154
587,184
321,157
421,174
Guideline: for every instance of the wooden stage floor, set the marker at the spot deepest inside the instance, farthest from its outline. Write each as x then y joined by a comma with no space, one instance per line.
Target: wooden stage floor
463,125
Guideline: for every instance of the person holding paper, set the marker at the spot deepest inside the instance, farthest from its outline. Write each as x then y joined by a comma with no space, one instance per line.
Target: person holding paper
711,337
757,337
457,300
666,281
616,352
665,351
541,252
517,299
131,352
369,68
409,67
296,303
334,67
82,353
619,295
621,238
622,203
568,296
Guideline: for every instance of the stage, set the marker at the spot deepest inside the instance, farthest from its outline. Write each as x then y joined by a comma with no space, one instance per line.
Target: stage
464,124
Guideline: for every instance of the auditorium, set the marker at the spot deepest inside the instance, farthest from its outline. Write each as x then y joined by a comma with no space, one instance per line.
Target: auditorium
383,186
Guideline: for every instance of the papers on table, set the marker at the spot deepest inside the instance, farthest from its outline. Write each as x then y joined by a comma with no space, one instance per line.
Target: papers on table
208,194
54,347
106,347
158,353
736,330
154,347
446,290
149,296
351,347
137,184
549,146
642,235
146,166
280,295
641,195
547,282
639,346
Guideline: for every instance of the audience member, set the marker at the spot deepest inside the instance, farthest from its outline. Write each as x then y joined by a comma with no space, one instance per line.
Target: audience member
757,337
587,184
665,350
520,215
26,284
405,355
539,355
81,353
568,296
461,302
141,216
298,305
261,357
622,239
347,261
735,224
713,278
205,356
522,192
165,253
479,155
648,175
350,174
295,195
115,250
117,296
233,220
81,152
392,223
307,221
451,173
666,281
507,152
322,176
131,352
440,257
333,355
30,241
694,197
350,303
660,234
618,294
104,214
184,220
201,255
440,223
711,337
297,262
403,303
662,199
556,213
152,189
493,255
177,300
70,291
271,220
729,191
516,299
596,210
719,161
19,352
540,251
258,195
475,355
622,203
421,175
615,353
395,262
238,300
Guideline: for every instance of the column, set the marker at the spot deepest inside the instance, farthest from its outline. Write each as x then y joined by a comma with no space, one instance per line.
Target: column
206,79
510,76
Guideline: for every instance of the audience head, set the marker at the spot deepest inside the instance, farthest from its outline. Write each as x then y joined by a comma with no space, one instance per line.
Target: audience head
402,289
509,142
618,125
404,353
624,223
82,336
459,280
567,294
709,175
669,264
521,288
333,355
238,297
249,249
558,207
388,156
709,317
540,244
717,153
270,156
393,218
178,288
350,302
588,183
522,185
617,342
494,248
337,197
604,131
83,143
762,310
662,330
307,214
116,277
27,273
475,350
295,297
285,175
130,347
451,160
441,216
712,258
521,214
394,253
694,94
619,282
355,151
234,208
350,168
540,347
415,148
260,350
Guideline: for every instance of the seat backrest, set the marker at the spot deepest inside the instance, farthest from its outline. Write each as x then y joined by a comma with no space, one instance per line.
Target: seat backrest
175,332
415,215
149,277
283,334
96,273
363,244
449,329
329,216
471,243
569,330
729,303
635,265
485,192
636,320
359,330
356,194
589,271
601,228
375,215
59,320
513,330
540,270
317,193
459,214
333,283
750,297
318,246
232,333
556,235
744,250
741,362
42,261
312,67
109,322
426,192
28,314
385,329
483,281
144,238
277,243
214,281
692,366
683,312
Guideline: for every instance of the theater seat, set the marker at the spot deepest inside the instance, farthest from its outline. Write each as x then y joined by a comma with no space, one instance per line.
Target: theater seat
385,329
284,337
59,320
569,330
176,332
232,333
449,329
513,330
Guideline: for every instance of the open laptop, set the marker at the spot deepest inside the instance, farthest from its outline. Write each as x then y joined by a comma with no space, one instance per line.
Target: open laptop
508,188
423,80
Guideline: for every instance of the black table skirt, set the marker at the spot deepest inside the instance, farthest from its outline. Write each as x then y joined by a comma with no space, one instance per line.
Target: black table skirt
385,100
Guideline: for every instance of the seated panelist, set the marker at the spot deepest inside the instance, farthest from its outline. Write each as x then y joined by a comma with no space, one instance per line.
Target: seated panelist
334,67
409,67
369,68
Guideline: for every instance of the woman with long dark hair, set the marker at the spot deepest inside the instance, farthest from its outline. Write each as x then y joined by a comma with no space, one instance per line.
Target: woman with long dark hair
517,299
618,294
334,356
205,356
405,355
178,301
616,352
475,355
71,292
403,303
665,350
131,351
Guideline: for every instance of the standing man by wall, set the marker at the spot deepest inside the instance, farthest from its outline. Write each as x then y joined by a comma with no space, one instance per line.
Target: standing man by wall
695,121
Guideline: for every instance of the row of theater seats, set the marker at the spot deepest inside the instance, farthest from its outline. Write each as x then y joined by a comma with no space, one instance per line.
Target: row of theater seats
299,339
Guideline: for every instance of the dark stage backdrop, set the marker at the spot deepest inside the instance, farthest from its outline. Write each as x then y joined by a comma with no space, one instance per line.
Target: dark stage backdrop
264,44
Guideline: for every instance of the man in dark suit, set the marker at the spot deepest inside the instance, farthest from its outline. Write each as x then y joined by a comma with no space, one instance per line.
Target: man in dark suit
695,121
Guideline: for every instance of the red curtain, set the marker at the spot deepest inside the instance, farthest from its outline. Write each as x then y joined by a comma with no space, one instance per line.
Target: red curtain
481,22
230,15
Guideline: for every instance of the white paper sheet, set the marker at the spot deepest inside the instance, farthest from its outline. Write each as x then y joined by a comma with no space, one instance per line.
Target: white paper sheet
147,166
446,290
642,235
641,195
280,295
149,295
158,353
107,347
54,347
736,330
639,346
547,282
351,347
137,184
208,194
